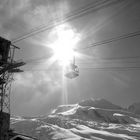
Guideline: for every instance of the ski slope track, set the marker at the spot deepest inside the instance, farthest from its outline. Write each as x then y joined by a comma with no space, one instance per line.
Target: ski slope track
87,120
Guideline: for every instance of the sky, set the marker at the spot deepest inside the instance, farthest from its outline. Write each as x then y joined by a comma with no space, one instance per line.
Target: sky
42,86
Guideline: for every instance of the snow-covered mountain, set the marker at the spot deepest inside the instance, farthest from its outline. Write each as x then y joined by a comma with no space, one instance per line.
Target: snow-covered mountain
135,108
99,103
87,120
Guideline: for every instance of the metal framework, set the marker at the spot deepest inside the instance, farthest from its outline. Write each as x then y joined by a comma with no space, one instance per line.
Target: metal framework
7,67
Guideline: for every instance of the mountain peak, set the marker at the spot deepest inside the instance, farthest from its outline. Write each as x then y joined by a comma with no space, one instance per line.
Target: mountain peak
135,108
90,119
99,103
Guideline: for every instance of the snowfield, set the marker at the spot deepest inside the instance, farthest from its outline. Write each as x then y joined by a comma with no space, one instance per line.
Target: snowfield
87,120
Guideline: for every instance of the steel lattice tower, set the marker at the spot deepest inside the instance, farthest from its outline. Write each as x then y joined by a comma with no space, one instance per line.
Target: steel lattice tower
7,67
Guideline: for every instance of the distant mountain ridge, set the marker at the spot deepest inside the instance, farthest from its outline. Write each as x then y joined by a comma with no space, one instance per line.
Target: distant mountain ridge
96,103
135,108
99,103
91,119
99,110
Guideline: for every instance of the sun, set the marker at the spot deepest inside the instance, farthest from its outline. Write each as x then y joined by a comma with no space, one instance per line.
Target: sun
63,45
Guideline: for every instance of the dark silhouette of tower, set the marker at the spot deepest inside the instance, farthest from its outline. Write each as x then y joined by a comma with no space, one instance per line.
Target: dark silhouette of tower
7,68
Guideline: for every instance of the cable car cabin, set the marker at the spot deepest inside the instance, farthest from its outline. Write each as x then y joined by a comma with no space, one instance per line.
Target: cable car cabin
71,71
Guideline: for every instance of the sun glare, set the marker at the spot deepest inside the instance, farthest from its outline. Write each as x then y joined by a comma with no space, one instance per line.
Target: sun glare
64,43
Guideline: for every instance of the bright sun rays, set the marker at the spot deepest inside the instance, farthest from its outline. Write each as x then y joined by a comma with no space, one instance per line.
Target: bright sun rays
63,42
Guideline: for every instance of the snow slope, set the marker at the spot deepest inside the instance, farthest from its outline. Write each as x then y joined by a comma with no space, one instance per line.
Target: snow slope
82,122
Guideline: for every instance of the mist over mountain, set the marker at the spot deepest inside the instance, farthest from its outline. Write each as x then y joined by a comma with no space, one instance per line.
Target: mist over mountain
91,119
135,108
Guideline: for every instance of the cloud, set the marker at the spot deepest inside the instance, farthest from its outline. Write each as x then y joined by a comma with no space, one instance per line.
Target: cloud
11,12
32,90
38,16
45,13
41,81
19,17
17,7
12,8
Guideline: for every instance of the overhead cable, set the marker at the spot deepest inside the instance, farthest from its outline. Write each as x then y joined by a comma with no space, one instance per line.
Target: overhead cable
111,68
93,68
107,41
81,12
